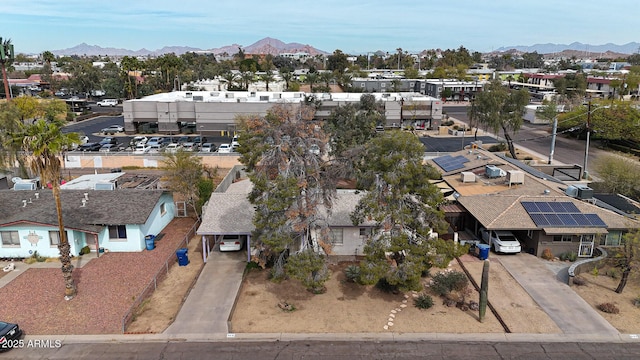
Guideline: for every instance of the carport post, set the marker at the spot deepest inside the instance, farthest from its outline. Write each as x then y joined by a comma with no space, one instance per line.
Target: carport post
204,249
248,248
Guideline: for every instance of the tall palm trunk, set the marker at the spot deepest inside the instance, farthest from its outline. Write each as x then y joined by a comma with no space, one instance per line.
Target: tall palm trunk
64,247
5,80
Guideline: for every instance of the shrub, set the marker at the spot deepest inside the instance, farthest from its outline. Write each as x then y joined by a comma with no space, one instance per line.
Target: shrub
612,273
352,272
498,147
569,256
251,265
547,254
85,250
608,308
444,283
579,281
423,301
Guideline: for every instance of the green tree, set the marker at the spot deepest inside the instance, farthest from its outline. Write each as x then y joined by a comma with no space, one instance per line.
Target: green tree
411,73
618,175
291,182
183,173
130,66
286,76
402,203
310,268
311,79
230,78
6,58
609,120
499,108
247,78
45,143
628,257
337,62
267,78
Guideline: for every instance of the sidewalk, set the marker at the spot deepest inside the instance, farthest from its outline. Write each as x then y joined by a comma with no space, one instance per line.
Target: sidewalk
21,267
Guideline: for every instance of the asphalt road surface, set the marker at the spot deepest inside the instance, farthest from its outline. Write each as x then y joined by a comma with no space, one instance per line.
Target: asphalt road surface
276,350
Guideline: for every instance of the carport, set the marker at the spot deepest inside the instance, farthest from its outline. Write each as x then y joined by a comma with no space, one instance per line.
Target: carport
226,214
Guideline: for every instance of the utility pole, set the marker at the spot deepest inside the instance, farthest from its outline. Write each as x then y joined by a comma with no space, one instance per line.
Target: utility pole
585,173
553,139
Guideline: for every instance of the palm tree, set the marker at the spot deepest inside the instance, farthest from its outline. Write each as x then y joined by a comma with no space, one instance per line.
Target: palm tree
267,77
247,79
312,78
45,142
6,58
229,78
286,76
326,77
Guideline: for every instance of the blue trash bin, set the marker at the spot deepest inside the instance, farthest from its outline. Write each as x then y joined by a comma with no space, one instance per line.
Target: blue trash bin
483,251
183,259
150,240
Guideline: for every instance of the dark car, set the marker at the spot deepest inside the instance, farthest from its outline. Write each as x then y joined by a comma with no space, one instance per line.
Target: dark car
92,146
109,140
10,335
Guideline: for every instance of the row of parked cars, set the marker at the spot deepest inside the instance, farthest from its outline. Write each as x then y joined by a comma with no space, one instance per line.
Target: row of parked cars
172,145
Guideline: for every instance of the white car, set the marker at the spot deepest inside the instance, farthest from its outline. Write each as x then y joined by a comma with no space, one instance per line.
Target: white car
189,146
501,241
224,149
232,242
234,141
139,140
208,147
173,148
112,129
107,102
156,140
141,149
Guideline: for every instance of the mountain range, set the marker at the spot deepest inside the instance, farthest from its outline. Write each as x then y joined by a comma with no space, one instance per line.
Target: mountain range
265,46
275,47
549,48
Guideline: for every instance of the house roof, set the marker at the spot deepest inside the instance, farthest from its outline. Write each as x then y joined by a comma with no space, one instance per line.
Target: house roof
232,213
103,207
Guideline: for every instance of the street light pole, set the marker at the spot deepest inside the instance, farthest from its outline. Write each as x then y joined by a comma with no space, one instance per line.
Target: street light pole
585,173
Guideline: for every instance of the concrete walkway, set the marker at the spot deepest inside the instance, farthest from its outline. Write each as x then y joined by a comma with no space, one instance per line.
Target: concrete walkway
211,299
567,309
21,267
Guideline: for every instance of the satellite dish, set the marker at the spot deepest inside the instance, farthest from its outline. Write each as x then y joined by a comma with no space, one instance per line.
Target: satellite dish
16,180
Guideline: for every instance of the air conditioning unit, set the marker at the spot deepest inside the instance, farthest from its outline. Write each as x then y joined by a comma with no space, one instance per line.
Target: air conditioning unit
467,177
584,192
492,171
515,177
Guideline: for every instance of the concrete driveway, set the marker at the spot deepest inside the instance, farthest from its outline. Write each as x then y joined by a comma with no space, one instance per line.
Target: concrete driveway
567,309
208,305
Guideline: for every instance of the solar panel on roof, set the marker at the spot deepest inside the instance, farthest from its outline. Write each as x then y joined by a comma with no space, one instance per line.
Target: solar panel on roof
450,163
560,213
595,220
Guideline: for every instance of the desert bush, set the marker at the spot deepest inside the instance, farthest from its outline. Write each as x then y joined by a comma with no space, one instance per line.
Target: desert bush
423,301
569,256
252,265
446,282
352,272
608,308
447,123
85,250
547,254
498,147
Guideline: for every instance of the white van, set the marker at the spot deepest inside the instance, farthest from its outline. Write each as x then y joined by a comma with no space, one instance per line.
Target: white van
107,102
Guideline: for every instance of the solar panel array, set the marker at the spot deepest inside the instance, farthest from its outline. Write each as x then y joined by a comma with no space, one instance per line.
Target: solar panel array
560,213
450,163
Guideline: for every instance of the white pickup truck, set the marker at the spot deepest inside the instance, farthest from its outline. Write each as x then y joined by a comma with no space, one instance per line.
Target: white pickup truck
501,241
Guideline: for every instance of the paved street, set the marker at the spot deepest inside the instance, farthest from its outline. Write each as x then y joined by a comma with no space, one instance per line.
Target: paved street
417,349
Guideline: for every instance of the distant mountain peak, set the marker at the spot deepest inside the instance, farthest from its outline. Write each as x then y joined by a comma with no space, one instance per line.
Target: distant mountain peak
549,48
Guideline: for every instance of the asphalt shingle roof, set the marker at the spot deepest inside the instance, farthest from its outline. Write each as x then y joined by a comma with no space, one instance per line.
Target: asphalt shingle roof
103,207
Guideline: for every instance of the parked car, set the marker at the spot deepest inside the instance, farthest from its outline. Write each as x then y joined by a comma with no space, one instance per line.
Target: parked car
108,140
112,129
156,140
92,146
139,140
10,335
107,102
501,241
189,146
184,139
173,148
110,148
199,140
157,148
232,242
141,149
224,148
208,147
234,141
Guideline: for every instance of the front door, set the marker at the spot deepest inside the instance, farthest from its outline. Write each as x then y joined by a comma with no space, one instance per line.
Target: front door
586,246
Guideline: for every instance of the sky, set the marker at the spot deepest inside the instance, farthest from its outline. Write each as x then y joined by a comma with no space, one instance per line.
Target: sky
355,27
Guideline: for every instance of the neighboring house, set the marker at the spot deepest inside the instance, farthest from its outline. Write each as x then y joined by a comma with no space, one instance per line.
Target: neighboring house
499,193
231,213
116,220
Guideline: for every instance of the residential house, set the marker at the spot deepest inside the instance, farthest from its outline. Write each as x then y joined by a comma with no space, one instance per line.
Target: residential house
116,220
499,193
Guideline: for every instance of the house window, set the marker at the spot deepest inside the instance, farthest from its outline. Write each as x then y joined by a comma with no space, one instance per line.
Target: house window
613,238
337,236
411,84
117,232
365,232
163,209
54,237
562,238
10,238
